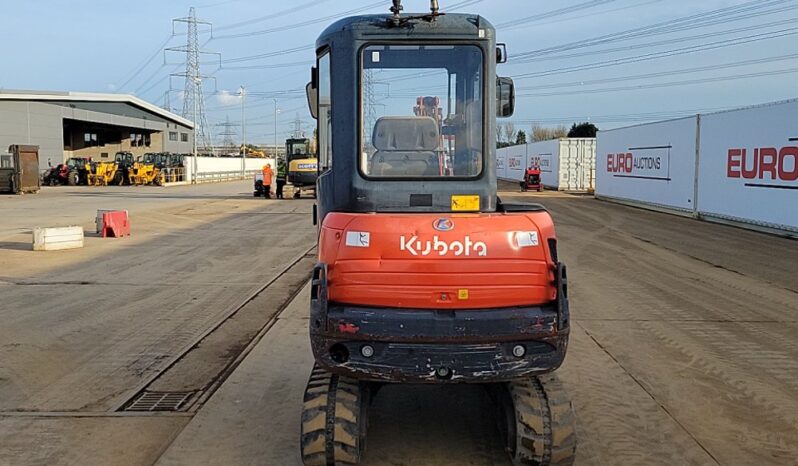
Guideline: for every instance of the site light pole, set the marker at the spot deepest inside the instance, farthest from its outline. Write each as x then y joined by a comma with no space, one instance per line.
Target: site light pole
243,136
197,82
276,111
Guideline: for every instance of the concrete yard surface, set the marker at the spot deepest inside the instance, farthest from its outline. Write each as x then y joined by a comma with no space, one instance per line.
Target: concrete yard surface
260,401
683,348
109,441
84,331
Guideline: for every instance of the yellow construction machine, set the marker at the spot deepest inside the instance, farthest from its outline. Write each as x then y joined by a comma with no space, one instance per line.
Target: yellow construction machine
256,153
302,165
102,174
108,173
146,170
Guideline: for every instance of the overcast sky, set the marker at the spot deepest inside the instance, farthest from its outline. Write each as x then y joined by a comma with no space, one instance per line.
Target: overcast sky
709,54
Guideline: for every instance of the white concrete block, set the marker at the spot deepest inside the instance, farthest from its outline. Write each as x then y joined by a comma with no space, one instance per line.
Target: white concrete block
54,239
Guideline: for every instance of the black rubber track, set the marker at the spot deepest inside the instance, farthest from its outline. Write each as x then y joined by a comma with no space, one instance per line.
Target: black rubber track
333,420
544,422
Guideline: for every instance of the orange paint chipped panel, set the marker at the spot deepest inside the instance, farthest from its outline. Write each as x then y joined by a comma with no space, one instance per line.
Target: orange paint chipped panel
413,260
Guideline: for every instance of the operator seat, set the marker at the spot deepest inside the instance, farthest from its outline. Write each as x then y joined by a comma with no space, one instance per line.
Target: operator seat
405,147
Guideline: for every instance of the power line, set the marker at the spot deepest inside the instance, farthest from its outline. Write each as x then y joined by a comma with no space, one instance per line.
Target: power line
272,16
467,3
274,65
757,61
163,78
146,63
666,84
312,46
275,53
262,102
410,92
675,25
675,40
623,117
303,23
603,12
550,14
662,54
270,118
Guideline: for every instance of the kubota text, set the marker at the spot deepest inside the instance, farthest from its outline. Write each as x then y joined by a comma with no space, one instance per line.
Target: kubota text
466,247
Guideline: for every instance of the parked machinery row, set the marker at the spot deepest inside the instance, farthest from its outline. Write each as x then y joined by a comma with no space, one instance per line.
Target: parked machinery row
124,169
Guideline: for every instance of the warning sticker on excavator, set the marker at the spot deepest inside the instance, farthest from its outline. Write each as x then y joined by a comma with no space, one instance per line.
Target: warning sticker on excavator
462,294
465,203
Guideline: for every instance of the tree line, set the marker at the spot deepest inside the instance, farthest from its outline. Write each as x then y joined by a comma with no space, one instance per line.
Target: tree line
507,135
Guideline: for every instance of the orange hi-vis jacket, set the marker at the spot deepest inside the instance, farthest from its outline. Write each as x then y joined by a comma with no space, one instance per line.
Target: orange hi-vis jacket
267,175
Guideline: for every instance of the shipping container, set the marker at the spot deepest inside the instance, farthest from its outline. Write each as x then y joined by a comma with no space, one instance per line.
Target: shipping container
566,164
651,164
748,166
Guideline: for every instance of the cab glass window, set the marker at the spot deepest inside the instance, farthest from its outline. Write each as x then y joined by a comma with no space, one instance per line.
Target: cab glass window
421,114
299,149
325,115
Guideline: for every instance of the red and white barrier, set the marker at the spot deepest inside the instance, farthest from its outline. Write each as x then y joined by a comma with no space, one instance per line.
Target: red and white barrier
115,224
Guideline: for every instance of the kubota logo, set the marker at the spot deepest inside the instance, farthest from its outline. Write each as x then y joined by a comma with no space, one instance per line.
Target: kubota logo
467,247
443,224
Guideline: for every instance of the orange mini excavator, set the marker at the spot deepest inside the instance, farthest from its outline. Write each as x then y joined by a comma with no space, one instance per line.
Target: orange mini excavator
424,275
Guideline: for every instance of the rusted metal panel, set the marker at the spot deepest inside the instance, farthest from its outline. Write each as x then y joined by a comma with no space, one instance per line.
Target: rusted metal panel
23,175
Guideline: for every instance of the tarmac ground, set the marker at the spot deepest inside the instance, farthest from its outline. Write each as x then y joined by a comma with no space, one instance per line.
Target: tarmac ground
683,350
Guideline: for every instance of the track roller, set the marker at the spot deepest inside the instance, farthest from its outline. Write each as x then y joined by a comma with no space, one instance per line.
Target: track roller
334,417
540,422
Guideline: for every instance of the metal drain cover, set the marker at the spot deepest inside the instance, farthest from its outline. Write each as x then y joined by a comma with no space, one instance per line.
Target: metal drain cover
159,401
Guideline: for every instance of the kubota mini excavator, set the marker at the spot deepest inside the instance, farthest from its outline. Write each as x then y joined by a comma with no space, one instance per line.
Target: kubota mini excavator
424,275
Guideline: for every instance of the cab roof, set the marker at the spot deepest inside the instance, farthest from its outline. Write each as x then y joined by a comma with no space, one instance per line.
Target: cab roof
420,25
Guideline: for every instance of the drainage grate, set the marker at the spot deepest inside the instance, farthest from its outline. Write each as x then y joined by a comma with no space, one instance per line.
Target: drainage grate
159,401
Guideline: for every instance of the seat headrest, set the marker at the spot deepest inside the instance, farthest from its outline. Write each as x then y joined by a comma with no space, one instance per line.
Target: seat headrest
410,133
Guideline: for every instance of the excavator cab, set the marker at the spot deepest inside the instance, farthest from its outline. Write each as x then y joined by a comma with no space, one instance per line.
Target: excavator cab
432,159
302,166
424,275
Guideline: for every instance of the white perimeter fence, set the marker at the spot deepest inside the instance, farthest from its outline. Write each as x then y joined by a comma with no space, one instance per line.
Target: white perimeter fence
738,166
216,169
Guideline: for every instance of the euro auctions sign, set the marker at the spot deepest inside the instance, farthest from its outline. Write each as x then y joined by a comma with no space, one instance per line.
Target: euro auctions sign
748,165
764,167
651,163
542,161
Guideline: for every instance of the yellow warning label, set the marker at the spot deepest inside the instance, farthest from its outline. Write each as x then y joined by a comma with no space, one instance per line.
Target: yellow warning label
465,203
462,294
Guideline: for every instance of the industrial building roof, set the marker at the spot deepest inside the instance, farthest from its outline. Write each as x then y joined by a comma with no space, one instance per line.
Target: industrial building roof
43,96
